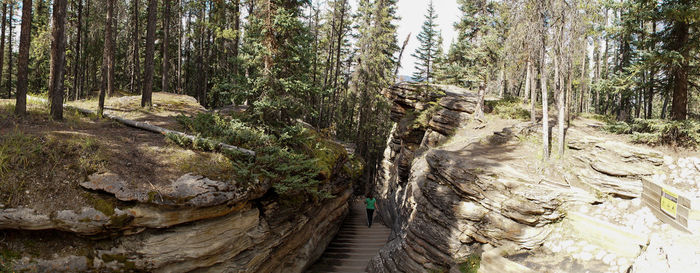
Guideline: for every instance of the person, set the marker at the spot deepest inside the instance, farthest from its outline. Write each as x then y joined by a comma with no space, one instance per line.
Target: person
370,202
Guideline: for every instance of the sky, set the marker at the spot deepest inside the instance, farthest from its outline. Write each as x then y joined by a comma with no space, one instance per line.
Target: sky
412,13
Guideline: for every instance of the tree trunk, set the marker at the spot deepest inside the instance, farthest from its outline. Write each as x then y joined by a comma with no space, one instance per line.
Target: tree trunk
545,114
179,46
2,45
479,114
237,39
136,60
58,59
84,66
679,105
107,85
146,97
528,81
21,98
166,34
23,57
76,60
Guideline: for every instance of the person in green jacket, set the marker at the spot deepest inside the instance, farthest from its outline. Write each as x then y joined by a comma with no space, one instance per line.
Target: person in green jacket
370,202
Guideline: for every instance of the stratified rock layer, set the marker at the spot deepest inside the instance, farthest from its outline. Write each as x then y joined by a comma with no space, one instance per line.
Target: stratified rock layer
448,202
192,224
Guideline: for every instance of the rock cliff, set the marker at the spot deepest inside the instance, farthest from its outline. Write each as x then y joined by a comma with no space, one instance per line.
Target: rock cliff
455,190
193,224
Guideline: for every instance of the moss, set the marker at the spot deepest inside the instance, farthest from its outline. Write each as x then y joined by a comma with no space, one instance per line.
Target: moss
327,155
102,205
119,221
6,258
471,264
354,167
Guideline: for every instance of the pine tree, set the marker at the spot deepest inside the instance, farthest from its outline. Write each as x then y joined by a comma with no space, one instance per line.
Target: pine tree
146,96
58,59
22,57
427,52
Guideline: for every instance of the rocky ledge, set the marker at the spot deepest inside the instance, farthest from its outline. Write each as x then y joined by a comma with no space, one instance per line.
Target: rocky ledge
487,195
194,223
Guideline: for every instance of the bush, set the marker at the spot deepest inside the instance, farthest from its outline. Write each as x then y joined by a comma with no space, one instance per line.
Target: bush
659,132
509,108
295,159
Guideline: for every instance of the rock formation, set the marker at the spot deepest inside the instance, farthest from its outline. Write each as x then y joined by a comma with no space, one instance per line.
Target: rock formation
452,190
194,223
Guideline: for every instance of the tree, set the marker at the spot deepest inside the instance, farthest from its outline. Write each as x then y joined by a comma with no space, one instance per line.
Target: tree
58,59
475,56
2,44
23,57
76,61
146,96
107,85
426,53
135,58
166,36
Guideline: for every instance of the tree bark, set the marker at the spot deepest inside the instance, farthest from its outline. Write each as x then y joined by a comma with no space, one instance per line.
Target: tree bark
237,39
58,59
679,105
146,97
545,114
528,80
23,57
166,36
2,45
179,46
76,61
107,85
21,105
136,60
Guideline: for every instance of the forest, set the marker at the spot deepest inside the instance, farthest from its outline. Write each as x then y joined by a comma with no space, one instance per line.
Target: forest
326,62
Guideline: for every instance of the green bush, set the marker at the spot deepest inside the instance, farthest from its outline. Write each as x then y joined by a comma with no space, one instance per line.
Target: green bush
509,108
659,132
295,159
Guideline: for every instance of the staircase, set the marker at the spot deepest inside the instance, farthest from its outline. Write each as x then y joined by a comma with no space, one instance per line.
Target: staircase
354,245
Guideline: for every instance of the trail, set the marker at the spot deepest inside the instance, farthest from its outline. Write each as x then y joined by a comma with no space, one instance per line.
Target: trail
354,245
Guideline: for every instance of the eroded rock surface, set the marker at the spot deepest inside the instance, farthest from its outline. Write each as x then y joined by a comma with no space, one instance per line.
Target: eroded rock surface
192,224
448,200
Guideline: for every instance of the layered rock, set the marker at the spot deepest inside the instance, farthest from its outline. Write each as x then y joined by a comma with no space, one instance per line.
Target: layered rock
448,201
192,224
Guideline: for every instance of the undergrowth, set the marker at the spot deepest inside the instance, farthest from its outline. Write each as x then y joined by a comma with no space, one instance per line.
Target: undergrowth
298,161
6,258
508,108
659,132
24,157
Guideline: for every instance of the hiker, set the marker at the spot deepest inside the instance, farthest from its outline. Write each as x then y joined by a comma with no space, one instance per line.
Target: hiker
370,201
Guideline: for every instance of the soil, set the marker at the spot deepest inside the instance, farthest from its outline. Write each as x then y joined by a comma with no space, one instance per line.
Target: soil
141,158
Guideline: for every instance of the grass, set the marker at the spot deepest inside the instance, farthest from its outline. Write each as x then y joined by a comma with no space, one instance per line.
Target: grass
509,108
23,156
659,132
471,265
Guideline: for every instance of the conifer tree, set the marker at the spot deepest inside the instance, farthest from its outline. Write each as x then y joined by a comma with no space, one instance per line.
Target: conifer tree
427,52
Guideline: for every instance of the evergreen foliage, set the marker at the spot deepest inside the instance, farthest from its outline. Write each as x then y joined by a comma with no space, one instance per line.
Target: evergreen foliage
429,49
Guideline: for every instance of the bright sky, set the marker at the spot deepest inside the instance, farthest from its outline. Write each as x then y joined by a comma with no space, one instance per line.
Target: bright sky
412,13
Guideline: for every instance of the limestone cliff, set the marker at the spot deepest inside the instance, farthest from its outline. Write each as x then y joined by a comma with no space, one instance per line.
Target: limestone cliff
193,224
455,190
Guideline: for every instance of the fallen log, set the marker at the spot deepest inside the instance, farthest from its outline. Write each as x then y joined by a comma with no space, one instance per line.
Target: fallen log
151,128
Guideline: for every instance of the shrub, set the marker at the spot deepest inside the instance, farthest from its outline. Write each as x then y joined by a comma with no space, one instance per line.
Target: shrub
659,132
509,108
295,159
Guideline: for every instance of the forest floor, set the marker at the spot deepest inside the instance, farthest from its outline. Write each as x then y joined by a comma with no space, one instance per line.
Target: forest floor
165,107
42,162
